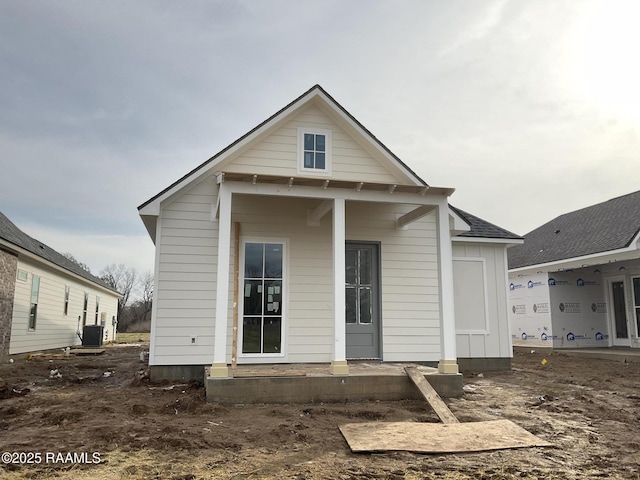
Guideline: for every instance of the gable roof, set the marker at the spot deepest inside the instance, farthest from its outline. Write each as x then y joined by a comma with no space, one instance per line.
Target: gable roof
13,235
313,92
482,229
604,227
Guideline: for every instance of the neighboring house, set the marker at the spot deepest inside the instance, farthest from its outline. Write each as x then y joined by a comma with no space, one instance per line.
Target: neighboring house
575,282
307,240
45,298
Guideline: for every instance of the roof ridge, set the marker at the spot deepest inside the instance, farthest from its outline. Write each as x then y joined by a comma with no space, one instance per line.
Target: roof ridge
19,238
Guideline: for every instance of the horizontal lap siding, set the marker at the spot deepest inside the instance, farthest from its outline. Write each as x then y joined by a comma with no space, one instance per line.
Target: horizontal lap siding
495,343
54,329
185,300
410,297
277,153
308,307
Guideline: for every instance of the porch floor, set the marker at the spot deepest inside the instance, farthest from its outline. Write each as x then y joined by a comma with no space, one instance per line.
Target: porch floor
307,383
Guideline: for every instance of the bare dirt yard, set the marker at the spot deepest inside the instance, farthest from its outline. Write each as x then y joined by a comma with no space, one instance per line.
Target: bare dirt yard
122,427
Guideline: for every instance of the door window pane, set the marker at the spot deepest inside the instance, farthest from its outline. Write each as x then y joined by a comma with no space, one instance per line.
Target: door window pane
365,305
351,262
251,334
365,267
253,253
352,302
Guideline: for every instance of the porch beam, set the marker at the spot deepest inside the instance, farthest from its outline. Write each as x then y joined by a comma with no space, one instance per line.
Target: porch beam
303,191
448,358
414,215
314,216
339,362
219,369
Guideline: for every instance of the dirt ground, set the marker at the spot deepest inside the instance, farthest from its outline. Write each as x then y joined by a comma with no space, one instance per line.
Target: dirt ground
588,409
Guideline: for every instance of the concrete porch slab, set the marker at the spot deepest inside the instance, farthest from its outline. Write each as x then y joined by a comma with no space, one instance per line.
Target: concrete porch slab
313,383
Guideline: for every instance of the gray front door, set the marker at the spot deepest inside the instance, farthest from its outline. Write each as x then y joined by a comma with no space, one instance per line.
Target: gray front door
362,300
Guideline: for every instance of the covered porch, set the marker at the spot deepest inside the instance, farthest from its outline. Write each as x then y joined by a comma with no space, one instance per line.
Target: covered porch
413,203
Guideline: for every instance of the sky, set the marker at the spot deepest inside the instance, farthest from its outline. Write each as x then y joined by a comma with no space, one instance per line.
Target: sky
529,109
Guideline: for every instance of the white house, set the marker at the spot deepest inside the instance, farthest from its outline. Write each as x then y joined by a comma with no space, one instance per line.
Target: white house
575,282
308,240
45,298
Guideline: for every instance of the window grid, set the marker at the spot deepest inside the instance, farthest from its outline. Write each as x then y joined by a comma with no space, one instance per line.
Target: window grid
262,312
315,146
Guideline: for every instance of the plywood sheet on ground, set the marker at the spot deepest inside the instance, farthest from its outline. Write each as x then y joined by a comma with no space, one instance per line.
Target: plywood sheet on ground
438,438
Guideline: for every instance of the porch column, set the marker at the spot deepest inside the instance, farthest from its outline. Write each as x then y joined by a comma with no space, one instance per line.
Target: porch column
339,363
448,358
219,368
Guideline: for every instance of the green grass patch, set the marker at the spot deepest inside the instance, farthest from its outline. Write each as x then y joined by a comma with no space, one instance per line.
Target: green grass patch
132,337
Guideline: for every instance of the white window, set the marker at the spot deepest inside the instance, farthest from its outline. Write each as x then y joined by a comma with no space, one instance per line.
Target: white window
263,290
314,151
67,290
22,275
33,310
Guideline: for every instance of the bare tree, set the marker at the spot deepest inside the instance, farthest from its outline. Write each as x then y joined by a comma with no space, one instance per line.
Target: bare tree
73,259
121,278
143,304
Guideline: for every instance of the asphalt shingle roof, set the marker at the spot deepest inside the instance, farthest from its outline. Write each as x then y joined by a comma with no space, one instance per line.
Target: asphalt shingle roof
481,228
607,226
12,234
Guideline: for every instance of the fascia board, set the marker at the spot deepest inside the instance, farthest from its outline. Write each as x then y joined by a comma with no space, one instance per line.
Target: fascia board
505,241
599,258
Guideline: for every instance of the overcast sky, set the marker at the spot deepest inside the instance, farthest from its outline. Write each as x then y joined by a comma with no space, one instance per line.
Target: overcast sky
529,109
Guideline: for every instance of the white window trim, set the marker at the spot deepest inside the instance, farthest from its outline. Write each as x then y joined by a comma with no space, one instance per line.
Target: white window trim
487,328
264,357
26,275
327,158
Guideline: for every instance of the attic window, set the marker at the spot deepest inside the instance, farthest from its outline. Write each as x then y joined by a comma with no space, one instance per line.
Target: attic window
314,151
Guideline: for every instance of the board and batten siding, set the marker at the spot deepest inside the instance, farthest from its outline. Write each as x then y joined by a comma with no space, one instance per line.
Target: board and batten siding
277,153
187,248
54,329
479,277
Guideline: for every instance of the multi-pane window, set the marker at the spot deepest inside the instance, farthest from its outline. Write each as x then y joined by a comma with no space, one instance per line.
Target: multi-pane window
35,293
263,294
84,309
359,284
97,309
67,290
315,148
